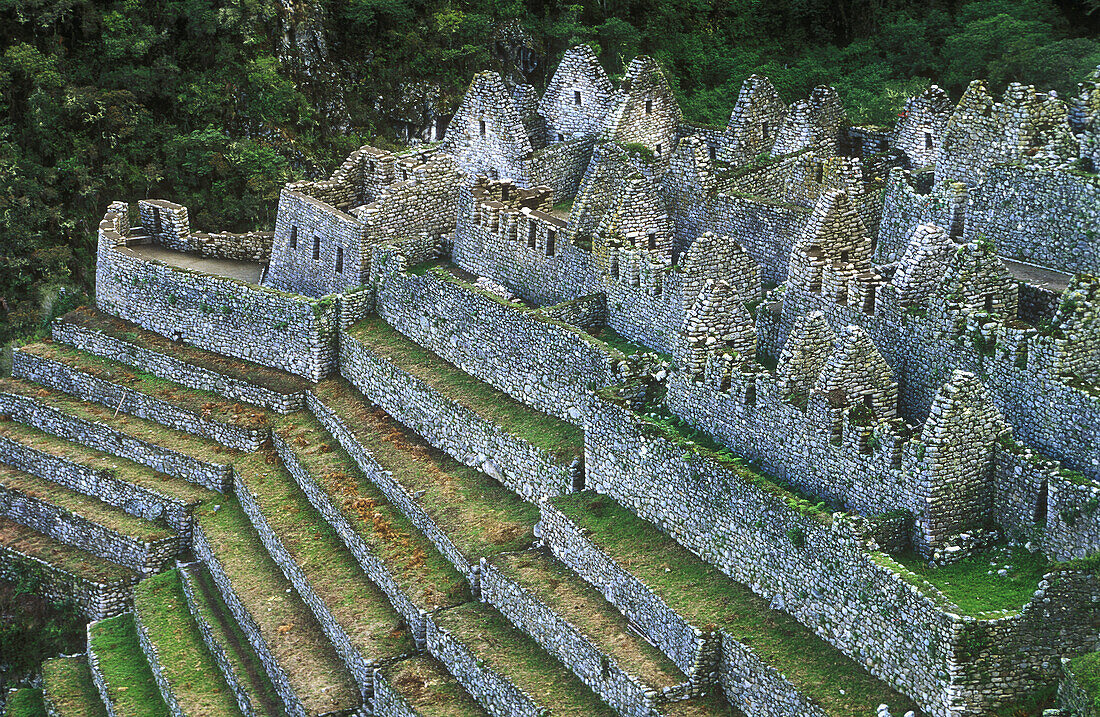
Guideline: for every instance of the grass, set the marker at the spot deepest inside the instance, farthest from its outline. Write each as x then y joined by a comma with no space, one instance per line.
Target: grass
1086,673
559,437
203,403
186,664
290,630
624,346
85,506
703,595
421,571
25,702
493,640
973,584
713,705
227,633
130,684
481,516
585,608
120,468
272,379
357,604
68,681
149,431
65,557
430,689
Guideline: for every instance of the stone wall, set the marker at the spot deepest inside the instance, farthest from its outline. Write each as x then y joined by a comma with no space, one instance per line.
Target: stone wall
103,484
96,600
213,644
360,667
467,437
1072,528
173,369
388,702
394,491
116,443
560,166
152,656
223,315
86,387
494,691
547,365
565,641
97,675
143,556
1044,216
169,226
248,625
375,569
1074,696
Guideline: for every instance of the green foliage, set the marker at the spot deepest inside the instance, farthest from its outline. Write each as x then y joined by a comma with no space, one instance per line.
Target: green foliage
33,628
26,702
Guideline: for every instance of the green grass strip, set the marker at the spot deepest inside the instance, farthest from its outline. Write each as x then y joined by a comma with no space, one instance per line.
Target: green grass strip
186,663
68,681
974,584
552,434
130,684
703,595
430,689
25,702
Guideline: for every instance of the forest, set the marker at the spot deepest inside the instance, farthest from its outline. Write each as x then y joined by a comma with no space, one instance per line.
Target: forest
216,104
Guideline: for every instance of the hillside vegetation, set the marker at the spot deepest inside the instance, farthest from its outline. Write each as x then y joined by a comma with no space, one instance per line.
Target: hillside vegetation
216,104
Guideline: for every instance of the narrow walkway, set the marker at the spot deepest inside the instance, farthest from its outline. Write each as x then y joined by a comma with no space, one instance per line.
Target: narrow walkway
1039,276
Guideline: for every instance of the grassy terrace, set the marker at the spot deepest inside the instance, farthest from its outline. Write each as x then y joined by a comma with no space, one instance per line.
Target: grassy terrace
93,509
246,665
140,428
585,608
204,403
481,516
562,439
419,568
360,608
430,689
974,585
1086,670
130,684
493,640
187,665
121,468
263,376
69,682
705,596
25,702
66,557
315,671
714,705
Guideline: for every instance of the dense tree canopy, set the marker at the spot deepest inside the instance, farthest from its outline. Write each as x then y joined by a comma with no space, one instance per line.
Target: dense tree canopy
194,100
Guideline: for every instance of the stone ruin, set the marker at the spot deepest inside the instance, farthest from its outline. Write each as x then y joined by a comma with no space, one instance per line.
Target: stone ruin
899,327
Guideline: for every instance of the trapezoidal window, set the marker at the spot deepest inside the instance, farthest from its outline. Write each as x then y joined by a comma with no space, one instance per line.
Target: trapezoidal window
339,260
576,97
316,248
551,239
989,302
561,137
713,154
481,127
764,130
928,140
649,107
819,172
658,150
531,235
157,226
652,241
294,237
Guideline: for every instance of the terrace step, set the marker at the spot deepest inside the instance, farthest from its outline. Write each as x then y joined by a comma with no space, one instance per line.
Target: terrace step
574,622
302,663
121,483
119,434
353,612
68,690
479,646
390,549
127,390
421,686
235,379
185,672
674,597
532,453
86,523
100,587
465,513
25,702
240,667
119,670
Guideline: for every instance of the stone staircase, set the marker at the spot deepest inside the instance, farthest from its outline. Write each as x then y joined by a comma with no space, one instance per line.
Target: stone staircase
346,560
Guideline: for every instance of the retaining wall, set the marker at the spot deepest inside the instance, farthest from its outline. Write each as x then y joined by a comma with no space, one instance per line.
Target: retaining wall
96,600
152,656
